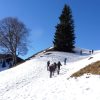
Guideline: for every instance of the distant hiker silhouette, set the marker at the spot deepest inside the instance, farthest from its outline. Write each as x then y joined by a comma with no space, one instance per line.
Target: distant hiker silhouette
92,51
65,61
81,52
52,69
48,63
58,65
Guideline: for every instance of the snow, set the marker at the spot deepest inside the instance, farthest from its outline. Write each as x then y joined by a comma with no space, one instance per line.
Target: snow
30,80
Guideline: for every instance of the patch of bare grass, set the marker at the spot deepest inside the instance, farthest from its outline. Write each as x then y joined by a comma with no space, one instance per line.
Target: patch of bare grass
93,68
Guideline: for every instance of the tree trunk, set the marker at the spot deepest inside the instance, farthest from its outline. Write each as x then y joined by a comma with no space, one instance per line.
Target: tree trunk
14,57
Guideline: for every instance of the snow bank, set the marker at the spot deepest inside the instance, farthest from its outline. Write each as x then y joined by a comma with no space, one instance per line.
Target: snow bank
30,80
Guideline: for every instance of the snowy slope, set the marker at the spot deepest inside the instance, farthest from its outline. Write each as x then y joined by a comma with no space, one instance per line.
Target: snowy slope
30,80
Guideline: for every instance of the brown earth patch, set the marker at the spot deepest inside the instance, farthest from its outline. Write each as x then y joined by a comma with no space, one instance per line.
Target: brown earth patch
93,68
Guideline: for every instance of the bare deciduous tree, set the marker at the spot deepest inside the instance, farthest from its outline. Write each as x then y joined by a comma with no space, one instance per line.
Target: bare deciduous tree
13,35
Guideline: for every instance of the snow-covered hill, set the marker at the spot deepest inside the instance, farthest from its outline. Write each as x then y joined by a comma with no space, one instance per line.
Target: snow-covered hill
30,80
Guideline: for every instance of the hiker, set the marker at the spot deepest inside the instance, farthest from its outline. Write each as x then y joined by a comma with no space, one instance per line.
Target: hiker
54,67
48,63
58,65
65,61
81,52
92,51
51,69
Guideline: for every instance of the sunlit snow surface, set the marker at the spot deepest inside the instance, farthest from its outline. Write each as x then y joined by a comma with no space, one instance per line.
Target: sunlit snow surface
30,80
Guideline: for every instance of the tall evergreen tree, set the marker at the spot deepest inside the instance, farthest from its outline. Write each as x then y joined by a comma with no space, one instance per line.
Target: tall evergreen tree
64,38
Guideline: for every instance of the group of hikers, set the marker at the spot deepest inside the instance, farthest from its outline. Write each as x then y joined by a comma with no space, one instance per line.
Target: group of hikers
90,52
54,67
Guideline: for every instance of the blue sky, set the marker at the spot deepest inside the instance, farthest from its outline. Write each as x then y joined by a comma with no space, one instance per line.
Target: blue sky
41,17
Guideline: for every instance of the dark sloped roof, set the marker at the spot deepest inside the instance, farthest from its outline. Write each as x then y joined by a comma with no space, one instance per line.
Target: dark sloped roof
8,56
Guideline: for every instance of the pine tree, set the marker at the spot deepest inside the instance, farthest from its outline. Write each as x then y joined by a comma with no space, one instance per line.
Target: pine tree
64,38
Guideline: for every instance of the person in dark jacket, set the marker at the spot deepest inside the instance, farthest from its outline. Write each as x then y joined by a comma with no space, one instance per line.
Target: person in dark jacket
65,61
48,64
81,52
58,69
54,67
92,51
51,69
